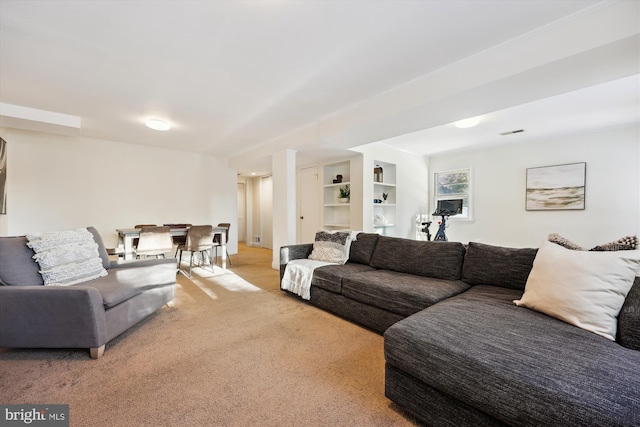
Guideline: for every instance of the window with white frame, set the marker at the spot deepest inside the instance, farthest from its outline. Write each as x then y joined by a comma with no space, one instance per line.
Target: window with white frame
451,187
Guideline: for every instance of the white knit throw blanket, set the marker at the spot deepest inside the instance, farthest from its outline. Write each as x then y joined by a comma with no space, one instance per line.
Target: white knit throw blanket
297,276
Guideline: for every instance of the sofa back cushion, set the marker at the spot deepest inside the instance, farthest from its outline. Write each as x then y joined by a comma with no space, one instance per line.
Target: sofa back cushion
629,319
17,266
362,248
102,251
440,260
497,265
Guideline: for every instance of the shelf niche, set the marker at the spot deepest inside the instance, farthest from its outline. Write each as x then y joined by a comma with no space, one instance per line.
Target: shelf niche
384,214
335,214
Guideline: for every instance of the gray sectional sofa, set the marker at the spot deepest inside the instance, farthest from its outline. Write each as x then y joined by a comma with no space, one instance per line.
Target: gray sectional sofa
85,315
459,352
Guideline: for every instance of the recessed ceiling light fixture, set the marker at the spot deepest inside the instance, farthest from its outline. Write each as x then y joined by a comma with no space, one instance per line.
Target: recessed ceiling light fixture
467,123
511,132
158,124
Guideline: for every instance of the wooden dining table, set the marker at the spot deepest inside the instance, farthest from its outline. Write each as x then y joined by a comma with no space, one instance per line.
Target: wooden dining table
126,236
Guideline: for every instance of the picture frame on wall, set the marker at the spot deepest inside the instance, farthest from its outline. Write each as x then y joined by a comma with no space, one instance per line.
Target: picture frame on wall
559,187
3,176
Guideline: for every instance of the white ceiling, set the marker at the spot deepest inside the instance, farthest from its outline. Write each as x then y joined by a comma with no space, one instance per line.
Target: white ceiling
240,79
610,104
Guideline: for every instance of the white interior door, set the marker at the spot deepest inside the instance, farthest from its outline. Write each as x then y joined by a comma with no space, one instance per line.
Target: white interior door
308,205
242,213
266,212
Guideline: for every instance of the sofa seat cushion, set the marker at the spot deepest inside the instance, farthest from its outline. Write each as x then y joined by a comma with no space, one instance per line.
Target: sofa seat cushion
440,260
124,282
399,293
329,277
518,365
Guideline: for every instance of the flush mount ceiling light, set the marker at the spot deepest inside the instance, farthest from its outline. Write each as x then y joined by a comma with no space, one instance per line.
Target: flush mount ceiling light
158,124
511,132
467,123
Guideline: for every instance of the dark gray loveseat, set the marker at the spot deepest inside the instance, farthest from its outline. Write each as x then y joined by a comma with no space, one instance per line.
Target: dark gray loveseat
459,352
86,315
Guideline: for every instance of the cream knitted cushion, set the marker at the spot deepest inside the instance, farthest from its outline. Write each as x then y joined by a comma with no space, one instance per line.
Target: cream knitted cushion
66,257
586,289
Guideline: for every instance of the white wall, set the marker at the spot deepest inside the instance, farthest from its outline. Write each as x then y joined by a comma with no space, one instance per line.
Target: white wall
255,205
60,182
499,175
412,186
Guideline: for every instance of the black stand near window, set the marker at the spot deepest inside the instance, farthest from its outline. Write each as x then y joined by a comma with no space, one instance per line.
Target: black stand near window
440,234
445,209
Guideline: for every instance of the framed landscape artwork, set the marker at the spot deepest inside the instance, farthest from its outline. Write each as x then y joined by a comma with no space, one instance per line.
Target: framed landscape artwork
560,187
3,176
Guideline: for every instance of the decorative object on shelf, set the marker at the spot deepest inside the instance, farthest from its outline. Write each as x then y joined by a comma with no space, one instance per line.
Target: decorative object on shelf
559,187
377,174
345,194
377,200
338,179
379,219
384,197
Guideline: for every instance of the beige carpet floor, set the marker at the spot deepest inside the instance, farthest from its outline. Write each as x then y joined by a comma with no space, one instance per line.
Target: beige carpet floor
233,350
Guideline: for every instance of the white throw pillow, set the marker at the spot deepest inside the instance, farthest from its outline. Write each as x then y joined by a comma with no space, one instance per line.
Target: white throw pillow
585,289
66,257
332,246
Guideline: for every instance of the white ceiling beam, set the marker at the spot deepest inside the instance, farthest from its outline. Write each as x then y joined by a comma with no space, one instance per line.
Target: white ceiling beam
42,116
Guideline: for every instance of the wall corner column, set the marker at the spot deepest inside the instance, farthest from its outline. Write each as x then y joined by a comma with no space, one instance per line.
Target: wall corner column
284,202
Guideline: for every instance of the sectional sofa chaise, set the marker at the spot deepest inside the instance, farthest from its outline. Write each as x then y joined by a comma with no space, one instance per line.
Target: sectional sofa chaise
83,315
459,352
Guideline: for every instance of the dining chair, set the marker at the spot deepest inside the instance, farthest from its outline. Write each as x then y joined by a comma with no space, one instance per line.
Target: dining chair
217,241
154,241
134,241
199,239
178,240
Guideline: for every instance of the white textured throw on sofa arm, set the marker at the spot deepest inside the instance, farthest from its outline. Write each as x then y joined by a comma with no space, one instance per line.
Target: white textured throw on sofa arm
297,276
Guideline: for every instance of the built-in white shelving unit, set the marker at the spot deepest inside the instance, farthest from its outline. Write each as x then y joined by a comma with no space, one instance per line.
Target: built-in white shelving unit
336,214
384,211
